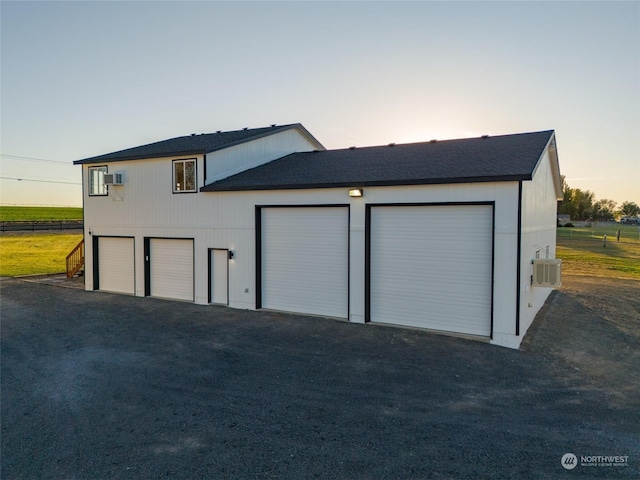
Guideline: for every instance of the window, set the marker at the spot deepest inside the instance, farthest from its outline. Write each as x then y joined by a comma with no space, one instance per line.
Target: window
184,175
96,181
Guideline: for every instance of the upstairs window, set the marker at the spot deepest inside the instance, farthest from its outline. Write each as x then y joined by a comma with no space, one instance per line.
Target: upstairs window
96,181
184,176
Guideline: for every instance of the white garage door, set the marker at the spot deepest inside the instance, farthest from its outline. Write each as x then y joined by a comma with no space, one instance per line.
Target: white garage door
431,267
116,265
171,265
305,258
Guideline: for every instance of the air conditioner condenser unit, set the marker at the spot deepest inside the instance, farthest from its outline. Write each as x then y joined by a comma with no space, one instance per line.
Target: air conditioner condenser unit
547,272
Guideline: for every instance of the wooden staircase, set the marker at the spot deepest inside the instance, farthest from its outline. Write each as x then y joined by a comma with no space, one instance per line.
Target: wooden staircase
75,260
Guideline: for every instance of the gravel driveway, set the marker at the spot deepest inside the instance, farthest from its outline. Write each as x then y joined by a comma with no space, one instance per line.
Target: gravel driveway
96,386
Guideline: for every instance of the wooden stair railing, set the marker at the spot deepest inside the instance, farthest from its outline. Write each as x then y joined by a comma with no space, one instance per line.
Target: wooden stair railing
75,260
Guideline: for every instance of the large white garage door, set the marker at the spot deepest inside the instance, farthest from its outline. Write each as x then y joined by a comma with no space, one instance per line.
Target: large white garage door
305,260
171,268
431,267
116,265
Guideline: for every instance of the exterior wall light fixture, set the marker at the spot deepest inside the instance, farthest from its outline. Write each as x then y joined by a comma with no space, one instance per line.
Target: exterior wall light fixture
231,254
356,192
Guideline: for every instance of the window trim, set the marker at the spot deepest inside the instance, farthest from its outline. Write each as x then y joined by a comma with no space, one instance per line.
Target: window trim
195,174
106,187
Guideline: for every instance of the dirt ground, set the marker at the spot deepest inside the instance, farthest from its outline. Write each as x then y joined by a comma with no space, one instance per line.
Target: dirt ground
598,320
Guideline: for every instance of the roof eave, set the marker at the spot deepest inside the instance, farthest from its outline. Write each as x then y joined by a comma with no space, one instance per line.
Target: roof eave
390,183
555,164
555,167
93,160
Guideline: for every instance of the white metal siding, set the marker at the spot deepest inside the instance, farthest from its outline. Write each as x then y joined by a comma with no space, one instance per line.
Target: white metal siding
116,265
171,268
539,207
229,161
305,260
227,219
431,267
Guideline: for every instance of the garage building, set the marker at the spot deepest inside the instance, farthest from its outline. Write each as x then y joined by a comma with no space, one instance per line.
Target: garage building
439,235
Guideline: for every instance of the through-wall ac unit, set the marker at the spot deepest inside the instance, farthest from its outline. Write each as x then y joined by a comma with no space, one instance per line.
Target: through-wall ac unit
113,179
547,272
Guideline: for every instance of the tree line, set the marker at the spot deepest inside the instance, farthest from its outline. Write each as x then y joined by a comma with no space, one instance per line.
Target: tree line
582,205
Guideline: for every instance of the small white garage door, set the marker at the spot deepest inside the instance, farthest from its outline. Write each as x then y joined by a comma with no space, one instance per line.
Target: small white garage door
171,268
116,265
305,260
431,267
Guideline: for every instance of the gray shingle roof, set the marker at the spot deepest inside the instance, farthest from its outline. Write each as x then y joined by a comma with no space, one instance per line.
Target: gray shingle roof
497,158
193,144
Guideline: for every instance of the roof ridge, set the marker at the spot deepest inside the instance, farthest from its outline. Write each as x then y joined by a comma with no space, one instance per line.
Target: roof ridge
243,129
190,144
435,141
217,132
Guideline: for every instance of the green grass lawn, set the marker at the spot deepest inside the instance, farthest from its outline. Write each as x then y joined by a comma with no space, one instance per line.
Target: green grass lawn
34,254
582,251
12,214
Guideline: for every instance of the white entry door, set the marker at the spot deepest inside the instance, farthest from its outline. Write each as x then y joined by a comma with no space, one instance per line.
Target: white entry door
219,276
431,267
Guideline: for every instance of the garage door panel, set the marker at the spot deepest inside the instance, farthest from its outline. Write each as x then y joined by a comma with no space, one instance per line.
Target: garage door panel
305,260
116,265
171,268
431,267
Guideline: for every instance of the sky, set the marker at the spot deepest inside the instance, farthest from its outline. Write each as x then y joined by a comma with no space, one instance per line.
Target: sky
80,79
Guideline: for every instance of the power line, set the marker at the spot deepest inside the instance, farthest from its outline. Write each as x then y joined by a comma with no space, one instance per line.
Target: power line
28,176
36,159
41,181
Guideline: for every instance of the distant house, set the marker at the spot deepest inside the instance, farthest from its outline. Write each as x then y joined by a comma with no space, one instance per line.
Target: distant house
437,235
